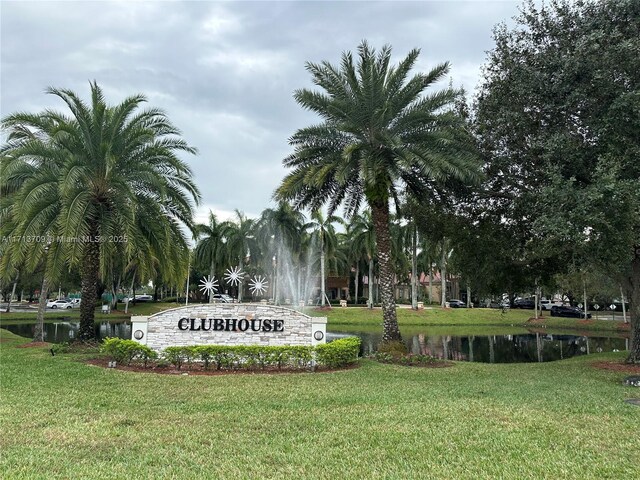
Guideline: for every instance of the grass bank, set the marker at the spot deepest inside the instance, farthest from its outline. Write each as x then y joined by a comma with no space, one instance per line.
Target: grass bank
144,308
60,418
474,317
362,318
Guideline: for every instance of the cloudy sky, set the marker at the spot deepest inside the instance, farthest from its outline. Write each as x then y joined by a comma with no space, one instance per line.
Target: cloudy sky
225,71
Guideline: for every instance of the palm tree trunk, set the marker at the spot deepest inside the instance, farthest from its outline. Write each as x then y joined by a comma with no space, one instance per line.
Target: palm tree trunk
634,309
414,269
114,294
430,281
298,284
240,283
584,297
212,271
371,283
90,274
38,334
357,276
443,274
380,215
133,294
15,282
323,293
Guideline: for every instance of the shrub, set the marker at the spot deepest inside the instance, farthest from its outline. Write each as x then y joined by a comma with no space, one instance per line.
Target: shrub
175,356
126,351
396,349
338,353
248,357
64,347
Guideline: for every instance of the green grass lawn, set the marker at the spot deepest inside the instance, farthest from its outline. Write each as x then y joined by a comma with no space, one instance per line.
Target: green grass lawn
60,418
144,308
361,317
458,317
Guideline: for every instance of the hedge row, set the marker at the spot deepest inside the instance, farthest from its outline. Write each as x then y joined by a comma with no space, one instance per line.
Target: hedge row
336,354
127,351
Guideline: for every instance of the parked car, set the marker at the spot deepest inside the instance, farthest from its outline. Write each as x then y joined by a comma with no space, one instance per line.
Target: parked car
59,304
222,298
500,304
524,303
455,303
566,311
548,304
142,298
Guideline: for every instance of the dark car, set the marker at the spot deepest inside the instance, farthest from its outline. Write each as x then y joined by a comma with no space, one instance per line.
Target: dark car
565,311
457,303
524,303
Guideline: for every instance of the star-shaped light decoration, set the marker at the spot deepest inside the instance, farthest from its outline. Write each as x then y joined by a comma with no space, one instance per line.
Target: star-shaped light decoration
209,285
258,285
233,276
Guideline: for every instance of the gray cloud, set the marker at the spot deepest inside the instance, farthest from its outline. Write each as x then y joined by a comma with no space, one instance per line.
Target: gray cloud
225,71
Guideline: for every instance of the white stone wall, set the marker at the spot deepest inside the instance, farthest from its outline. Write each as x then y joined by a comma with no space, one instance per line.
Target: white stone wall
162,329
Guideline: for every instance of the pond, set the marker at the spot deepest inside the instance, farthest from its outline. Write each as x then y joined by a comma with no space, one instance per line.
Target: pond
520,346
64,331
503,348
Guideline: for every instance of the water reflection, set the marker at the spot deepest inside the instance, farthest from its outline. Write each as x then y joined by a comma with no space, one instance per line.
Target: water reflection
533,347
521,348
58,332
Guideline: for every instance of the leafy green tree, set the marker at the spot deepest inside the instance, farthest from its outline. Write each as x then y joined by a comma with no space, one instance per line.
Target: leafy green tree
378,133
94,179
557,117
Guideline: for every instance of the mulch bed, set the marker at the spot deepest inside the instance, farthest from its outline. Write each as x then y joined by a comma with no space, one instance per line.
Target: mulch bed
536,320
617,367
34,344
199,370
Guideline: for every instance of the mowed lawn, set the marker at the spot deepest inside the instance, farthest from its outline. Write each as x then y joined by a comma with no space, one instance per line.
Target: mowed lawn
469,317
61,418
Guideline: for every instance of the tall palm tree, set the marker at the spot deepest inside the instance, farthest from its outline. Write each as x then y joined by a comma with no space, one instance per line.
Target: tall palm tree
378,133
324,233
115,178
240,240
363,246
211,249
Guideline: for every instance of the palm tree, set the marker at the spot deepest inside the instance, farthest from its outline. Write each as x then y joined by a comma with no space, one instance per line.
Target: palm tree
363,246
378,133
324,233
30,169
240,241
115,178
211,249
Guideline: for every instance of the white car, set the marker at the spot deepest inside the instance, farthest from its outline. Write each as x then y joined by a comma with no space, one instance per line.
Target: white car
222,298
548,304
142,298
59,304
